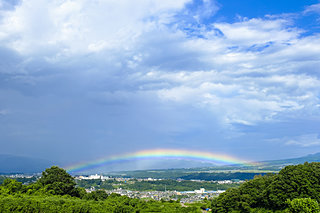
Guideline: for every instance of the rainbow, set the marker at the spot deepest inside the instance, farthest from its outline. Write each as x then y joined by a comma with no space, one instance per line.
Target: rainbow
207,157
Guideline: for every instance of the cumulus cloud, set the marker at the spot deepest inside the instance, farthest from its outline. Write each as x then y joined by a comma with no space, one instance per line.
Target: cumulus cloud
254,62
81,26
101,63
245,99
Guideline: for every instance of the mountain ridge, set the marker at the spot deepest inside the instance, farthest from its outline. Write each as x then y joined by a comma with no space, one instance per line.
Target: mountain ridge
22,164
299,160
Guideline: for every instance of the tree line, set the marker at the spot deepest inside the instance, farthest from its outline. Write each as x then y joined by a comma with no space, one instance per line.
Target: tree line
56,191
295,189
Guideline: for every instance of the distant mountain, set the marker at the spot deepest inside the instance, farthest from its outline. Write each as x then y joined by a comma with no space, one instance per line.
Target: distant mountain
20,164
149,164
226,172
291,161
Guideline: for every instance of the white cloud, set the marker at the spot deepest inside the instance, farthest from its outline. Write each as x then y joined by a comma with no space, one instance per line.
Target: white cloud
257,31
75,26
154,73
205,9
305,140
257,70
246,99
313,8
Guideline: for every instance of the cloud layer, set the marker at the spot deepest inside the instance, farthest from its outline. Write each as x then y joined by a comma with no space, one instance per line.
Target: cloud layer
112,76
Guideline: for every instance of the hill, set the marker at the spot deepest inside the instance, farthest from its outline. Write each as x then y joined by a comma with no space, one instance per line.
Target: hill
228,172
295,188
292,161
21,164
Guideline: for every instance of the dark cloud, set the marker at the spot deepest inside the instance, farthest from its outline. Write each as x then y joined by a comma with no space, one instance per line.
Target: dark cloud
83,90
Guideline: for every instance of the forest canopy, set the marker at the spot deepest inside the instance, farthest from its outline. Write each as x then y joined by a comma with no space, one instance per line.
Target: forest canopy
294,185
56,191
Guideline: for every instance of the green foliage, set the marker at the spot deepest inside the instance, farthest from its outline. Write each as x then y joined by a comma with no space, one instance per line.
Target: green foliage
295,189
298,181
221,176
2,178
218,173
55,191
205,204
251,194
58,182
98,184
10,186
114,203
303,205
96,195
271,192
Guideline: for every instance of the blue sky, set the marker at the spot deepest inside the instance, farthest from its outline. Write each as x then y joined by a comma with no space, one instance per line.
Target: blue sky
81,80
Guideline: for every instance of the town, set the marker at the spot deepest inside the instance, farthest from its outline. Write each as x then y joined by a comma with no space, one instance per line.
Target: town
120,183
175,195
183,197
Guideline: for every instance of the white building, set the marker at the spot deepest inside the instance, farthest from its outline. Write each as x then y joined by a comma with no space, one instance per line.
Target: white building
201,191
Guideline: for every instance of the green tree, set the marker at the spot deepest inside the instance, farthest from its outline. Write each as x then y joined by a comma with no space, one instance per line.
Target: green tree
298,181
96,195
270,192
58,182
303,205
10,186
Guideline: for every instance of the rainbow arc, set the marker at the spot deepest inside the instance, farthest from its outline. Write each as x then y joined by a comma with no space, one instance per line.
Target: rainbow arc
179,154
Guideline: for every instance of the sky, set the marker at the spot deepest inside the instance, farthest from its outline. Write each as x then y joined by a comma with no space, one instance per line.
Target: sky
88,79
